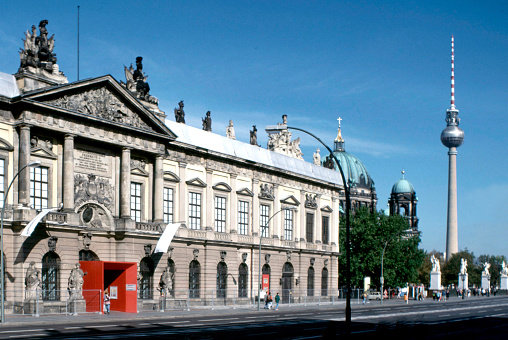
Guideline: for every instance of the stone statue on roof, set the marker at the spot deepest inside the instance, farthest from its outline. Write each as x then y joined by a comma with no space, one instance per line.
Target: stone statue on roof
254,136
137,84
281,142
179,113
38,49
207,122
316,158
230,130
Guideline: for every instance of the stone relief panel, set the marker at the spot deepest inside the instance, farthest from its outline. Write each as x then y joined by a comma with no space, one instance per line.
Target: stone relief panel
100,102
94,216
91,188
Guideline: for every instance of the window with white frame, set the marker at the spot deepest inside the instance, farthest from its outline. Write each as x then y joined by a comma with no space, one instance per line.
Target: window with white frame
264,216
39,185
243,217
168,205
194,210
220,214
309,227
2,181
136,201
288,224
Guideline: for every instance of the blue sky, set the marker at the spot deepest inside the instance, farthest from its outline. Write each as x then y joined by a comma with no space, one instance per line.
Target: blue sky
382,66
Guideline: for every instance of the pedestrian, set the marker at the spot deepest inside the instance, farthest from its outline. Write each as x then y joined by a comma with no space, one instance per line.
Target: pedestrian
269,300
364,297
107,302
277,299
266,300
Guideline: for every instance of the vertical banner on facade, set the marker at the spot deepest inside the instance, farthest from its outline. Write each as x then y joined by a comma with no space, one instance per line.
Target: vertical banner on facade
29,229
166,237
265,284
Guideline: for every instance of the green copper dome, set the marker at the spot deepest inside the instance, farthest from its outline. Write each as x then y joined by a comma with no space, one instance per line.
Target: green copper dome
403,186
355,172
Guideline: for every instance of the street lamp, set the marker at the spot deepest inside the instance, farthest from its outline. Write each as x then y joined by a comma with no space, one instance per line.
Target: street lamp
31,164
410,232
260,238
281,127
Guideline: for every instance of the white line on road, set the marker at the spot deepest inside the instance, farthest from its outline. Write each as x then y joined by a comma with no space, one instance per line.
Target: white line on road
24,335
218,319
172,322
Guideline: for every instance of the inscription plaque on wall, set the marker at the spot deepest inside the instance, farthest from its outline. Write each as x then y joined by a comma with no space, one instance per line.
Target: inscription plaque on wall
90,162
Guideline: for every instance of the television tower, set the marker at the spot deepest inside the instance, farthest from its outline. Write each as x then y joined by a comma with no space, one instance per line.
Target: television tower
452,137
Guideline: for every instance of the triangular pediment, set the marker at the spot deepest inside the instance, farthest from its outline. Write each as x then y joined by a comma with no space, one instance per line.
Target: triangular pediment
198,182
327,209
291,200
245,192
102,100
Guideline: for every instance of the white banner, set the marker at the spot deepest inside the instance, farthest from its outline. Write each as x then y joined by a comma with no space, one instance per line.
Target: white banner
166,238
29,229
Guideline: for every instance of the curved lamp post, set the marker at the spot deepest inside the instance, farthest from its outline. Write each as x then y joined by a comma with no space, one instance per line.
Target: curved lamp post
31,164
410,232
281,127
261,238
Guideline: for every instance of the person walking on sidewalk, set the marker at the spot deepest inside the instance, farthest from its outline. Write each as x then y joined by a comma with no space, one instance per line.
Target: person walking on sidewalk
277,299
107,302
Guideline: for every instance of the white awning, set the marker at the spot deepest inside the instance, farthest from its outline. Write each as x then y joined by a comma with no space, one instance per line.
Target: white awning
29,229
166,238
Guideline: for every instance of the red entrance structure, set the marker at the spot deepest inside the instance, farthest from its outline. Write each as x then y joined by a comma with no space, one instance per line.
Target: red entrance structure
119,278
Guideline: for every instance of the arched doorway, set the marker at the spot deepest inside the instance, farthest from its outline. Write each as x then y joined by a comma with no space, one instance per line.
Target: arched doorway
88,255
310,281
222,277
146,270
50,276
287,281
265,283
324,282
194,279
243,275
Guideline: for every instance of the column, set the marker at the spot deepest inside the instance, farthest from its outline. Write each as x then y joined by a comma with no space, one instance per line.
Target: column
182,192
319,223
233,206
301,231
24,159
277,225
125,184
255,208
452,239
158,200
68,173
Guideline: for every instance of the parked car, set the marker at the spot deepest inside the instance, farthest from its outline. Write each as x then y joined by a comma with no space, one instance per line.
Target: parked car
374,296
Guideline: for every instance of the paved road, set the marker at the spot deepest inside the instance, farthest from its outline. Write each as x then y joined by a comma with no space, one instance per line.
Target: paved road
474,318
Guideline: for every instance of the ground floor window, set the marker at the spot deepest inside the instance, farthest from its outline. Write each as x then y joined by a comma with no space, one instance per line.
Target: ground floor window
243,275
146,269
194,279
50,276
222,277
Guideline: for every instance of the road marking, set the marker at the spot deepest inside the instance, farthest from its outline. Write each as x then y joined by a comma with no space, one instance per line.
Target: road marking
24,335
218,319
171,322
24,330
257,317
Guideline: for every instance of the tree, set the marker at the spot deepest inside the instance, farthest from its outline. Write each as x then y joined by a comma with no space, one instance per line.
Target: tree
451,269
495,267
369,232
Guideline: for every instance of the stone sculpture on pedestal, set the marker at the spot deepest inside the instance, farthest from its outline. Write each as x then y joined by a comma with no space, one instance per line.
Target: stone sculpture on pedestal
230,130
32,282
463,278
486,276
75,283
435,274
504,276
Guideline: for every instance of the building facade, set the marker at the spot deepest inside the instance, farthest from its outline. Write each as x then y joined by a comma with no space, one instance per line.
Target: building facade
114,174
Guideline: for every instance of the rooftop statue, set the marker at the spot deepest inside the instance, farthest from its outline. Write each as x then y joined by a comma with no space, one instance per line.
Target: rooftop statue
281,142
179,113
254,136
230,130
207,122
136,82
38,49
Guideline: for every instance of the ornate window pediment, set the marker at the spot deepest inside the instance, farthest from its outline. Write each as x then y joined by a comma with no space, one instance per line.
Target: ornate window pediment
327,209
171,176
245,192
42,148
222,187
291,200
5,145
138,167
198,182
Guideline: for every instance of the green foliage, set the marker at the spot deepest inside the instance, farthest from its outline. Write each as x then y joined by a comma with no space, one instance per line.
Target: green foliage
369,233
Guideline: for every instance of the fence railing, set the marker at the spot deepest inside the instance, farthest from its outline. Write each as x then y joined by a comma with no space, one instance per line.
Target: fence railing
42,302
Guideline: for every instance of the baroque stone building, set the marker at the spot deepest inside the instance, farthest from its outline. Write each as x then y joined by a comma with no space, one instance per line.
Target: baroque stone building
113,174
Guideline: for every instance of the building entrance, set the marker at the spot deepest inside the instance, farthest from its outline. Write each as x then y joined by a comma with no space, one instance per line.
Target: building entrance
118,278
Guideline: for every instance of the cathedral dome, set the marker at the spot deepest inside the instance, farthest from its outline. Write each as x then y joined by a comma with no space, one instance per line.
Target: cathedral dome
355,172
403,186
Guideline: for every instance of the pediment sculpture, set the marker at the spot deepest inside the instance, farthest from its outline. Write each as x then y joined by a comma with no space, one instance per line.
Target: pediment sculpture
100,102
137,84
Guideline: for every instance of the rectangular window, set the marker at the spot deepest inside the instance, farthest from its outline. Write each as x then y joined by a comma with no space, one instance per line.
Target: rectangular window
309,228
220,214
136,201
264,212
168,205
194,210
288,225
243,217
326,229
39,187
2,182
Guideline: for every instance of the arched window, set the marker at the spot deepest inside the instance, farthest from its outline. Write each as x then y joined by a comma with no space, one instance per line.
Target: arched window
310,281
87,255
51,276
266,271
222,277
194,279
324,282
287,281
146,269
243,275
171,265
